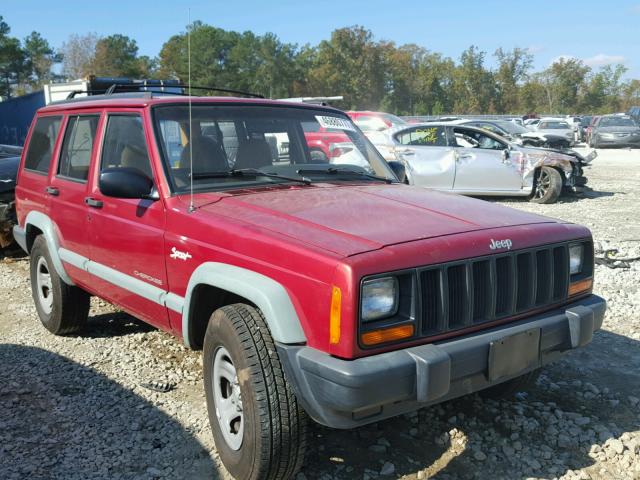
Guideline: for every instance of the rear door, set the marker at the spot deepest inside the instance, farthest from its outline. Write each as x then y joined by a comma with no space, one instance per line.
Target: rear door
33,183
430,160
68,188
483,163
127,235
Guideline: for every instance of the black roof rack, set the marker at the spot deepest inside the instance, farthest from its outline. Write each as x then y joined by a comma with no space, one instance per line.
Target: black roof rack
106,87
128,87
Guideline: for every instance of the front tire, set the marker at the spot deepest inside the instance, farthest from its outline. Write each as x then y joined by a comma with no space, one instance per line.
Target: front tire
548,186
63,309
258,425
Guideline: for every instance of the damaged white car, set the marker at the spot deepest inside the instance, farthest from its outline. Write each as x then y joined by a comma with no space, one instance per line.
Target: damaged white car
473,161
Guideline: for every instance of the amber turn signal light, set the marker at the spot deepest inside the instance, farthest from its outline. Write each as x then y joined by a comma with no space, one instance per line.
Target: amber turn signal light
385,335
580,286
335,314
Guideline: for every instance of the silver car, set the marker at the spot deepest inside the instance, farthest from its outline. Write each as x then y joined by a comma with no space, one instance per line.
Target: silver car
473,161
554,127
615,131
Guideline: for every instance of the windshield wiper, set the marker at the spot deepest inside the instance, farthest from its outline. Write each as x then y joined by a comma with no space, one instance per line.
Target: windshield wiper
335,171
250,172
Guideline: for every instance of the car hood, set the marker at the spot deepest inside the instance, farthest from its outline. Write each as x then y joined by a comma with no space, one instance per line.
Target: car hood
552,153
349,219
8,172
556,131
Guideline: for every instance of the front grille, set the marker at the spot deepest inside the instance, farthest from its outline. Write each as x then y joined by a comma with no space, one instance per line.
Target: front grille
465,293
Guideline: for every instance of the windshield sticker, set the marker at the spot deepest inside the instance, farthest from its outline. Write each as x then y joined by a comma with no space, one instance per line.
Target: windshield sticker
335,122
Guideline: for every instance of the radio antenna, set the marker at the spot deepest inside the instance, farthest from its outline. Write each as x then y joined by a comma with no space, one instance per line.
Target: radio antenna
192,207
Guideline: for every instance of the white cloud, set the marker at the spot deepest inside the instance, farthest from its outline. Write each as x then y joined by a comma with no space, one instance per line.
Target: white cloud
602,59
562,57
533,49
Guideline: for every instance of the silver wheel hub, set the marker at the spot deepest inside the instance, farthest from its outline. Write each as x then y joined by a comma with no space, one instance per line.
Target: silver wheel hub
227,399
43,284
544,182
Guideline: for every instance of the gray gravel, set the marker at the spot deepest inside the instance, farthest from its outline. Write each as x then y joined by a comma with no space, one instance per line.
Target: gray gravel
74,408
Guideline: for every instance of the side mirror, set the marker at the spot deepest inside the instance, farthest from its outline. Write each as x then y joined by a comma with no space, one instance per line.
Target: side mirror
506,153
125,182
399,170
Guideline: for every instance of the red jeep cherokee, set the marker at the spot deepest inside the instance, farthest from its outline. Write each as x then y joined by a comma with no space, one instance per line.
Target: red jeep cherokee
316,290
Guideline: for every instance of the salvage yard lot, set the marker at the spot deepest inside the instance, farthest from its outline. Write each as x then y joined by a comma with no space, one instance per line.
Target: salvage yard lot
75,408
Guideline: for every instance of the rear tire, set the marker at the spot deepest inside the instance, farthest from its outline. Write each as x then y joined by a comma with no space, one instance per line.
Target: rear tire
258,425
548,186
63,309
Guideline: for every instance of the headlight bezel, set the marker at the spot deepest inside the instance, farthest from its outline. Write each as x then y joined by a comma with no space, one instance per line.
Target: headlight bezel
581,282
405,311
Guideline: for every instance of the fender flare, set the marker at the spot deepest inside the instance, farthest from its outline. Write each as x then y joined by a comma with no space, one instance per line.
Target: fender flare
267,294
45,224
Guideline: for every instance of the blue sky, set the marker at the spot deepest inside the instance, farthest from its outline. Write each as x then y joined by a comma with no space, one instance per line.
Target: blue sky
594,31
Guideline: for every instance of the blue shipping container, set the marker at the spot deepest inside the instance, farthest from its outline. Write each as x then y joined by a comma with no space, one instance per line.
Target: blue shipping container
16,115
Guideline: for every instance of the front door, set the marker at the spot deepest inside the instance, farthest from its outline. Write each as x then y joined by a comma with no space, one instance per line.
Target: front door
127,235
483,163
430,161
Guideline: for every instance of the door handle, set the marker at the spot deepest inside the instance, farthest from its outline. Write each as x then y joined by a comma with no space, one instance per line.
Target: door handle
92,202
464,156
53,191
406,152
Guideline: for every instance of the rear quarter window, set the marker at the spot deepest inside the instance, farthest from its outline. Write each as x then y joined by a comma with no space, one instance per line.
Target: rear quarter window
41,144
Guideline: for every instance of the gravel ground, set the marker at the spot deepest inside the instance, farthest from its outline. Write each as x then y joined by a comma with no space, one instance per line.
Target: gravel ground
74,408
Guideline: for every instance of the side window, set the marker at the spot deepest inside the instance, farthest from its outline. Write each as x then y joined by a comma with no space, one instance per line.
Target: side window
465,138
478,140
77,147
423,137
125,145
41,144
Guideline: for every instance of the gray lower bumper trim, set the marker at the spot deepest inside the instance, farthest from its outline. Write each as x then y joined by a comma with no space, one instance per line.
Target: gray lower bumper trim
348,393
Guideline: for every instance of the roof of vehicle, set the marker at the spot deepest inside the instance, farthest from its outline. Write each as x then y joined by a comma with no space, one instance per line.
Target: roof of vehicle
554,119
393,130
146,99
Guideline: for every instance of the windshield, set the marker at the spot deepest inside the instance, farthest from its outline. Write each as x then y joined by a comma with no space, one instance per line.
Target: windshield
553,125
511,127
617,122
393,119
257,139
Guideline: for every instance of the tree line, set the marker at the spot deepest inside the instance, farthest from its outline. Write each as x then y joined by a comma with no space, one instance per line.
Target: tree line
370,73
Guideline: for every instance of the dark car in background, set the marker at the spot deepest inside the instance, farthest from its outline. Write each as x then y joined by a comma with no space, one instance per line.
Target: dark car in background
615,131
9,161
505,128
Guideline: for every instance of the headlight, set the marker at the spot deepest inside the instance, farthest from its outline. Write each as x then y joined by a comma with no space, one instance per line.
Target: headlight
379,298
576,256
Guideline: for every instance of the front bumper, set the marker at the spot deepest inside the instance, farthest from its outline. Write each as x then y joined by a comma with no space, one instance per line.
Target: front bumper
349,393
626,141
